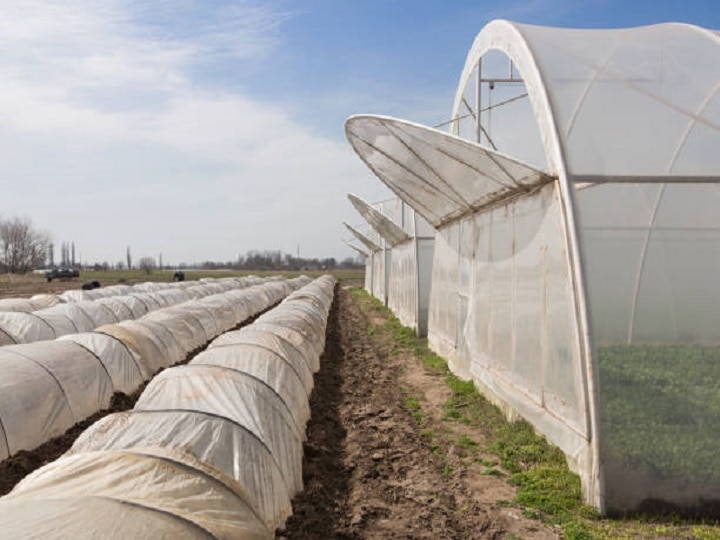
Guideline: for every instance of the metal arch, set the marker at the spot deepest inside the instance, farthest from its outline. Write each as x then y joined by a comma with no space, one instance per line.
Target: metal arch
507,37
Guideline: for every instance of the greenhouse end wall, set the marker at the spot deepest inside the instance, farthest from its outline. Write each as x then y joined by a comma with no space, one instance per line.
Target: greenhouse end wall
652,264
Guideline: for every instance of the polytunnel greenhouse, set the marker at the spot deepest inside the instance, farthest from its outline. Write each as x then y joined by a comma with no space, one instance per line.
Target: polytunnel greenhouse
576,207
408,241
212,449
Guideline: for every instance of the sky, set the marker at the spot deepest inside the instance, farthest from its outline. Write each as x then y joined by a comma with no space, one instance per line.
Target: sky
201,129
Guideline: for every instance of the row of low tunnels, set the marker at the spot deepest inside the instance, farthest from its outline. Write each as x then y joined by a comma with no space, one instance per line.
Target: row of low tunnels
211,449
44,317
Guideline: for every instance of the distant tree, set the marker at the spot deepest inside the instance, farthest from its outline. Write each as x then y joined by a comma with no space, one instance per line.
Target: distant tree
51,254
22,247
119,265
160,263
129,258
147,264
72,256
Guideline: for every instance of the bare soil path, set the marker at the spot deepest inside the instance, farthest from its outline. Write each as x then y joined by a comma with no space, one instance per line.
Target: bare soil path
372,469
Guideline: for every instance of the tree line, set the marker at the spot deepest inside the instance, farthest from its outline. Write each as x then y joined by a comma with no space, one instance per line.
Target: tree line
24,248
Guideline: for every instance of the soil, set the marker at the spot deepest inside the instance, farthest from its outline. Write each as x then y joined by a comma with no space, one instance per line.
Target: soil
370,470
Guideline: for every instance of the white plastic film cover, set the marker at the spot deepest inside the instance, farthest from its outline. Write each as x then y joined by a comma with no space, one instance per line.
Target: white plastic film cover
22,305
42,301
119,308
403,286
655,85
216,441
652,265
295,338
390,231
367,242
267,366
25,327
47,387
173,486
119,362
147,349
183,324
251,335
170,346
98,312
441,176
311,326
58,319
237,396
135,305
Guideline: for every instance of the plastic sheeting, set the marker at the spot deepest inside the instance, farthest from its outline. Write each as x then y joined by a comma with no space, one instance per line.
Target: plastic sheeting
213,447
442,176
82,314
46,388
54,384
120,363
165,496
390,231
607,275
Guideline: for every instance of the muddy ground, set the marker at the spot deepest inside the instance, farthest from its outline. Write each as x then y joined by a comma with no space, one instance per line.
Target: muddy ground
372,469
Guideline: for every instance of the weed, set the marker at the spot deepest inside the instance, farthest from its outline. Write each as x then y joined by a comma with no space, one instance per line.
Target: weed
467,443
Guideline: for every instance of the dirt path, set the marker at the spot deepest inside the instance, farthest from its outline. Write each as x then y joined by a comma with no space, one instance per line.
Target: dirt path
371,470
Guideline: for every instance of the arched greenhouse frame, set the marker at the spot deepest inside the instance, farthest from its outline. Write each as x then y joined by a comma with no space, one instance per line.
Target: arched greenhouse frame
576,272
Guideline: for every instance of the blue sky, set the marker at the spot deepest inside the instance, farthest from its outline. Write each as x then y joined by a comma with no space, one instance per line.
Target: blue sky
202,129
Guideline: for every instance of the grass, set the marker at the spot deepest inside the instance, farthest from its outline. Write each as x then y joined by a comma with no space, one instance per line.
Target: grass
546,488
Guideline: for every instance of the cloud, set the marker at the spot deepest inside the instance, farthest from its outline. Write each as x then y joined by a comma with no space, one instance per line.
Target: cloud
112,137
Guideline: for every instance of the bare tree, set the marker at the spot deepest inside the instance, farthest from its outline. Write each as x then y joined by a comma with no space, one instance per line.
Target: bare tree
129,258
147,264
22,247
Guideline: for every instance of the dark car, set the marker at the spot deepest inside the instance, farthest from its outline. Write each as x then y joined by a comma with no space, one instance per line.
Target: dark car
62,273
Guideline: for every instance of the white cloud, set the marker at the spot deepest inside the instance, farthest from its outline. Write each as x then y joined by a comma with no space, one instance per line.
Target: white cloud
109,137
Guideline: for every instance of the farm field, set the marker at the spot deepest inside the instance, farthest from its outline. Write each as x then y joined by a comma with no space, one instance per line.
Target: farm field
399,448
17,286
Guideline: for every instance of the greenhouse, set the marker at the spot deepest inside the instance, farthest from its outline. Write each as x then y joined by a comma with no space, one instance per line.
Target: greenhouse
410,239
576,205
211,450
374,264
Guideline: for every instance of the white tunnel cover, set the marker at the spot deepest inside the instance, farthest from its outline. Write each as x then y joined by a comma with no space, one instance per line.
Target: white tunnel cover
441,176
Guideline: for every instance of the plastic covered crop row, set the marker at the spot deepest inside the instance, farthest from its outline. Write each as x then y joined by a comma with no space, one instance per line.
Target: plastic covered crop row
206,286
85,315
49,386
212,449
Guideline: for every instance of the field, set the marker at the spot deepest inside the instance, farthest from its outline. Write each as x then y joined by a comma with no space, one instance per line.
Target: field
400,448
31,284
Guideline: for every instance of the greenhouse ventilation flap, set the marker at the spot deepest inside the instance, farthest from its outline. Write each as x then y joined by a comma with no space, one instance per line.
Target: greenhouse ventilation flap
441,176
360,251
390,231
372,246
